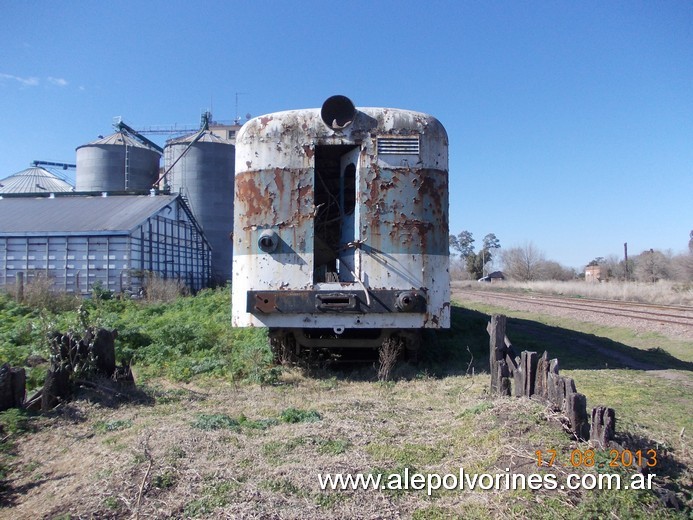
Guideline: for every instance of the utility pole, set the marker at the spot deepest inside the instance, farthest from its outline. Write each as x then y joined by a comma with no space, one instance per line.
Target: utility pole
237,120
625,254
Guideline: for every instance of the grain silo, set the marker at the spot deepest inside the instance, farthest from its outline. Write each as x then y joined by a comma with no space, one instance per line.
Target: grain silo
34,180
201,168
118,162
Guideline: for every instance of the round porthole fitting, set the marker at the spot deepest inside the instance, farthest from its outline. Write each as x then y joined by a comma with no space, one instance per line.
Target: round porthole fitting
268,241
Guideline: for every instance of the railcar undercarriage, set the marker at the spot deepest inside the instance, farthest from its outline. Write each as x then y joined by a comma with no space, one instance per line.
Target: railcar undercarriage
292,345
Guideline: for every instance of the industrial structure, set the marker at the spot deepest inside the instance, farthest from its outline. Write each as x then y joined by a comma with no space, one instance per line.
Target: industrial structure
123,161
200,167
127,215
35,179
78,241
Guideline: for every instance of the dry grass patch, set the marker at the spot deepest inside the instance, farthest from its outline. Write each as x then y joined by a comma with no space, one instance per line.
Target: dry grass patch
664,291
255,452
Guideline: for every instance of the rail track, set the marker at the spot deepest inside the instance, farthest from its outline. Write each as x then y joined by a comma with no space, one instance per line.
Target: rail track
669,314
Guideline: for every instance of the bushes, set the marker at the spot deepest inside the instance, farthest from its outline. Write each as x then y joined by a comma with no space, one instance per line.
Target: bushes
183,339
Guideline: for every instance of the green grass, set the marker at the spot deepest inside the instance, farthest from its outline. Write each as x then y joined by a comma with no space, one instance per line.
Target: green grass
188,339
295,415
654,348
434,418
214,495
645,377
632,394
113,425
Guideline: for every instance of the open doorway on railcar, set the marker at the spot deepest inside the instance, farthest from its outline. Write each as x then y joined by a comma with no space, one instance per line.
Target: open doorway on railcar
336,223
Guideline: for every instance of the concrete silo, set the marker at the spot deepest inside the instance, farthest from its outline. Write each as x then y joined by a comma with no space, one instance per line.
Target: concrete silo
117,162
201,168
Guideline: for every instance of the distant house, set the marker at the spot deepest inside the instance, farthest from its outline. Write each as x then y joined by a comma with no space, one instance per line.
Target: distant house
80,240
494,277
595,273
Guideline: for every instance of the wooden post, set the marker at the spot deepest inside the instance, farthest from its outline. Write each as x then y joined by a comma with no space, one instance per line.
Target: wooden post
576,410
528,366
603,426
503,378
556,390
497,365
541,381
19,277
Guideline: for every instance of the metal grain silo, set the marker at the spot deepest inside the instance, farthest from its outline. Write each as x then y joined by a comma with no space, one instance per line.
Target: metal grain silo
34,180
117,162
202,170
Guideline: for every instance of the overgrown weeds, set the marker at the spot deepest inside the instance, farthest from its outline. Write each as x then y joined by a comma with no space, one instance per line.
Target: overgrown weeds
390,352
187,338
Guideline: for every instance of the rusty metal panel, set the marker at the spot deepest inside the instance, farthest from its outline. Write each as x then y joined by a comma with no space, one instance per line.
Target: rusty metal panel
378,301
399,222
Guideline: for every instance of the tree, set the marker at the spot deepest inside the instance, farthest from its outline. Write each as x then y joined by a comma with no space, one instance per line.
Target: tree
597,261
682,267
475,265
523,263
463,243
552,270
490,242
651,266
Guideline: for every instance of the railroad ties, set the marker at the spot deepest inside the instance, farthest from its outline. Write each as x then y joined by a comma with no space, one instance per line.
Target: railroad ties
528,375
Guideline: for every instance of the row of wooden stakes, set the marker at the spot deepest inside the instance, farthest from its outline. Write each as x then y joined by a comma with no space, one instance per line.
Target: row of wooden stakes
529,375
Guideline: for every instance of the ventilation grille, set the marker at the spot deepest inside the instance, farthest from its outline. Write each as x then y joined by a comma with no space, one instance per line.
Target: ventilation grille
398,146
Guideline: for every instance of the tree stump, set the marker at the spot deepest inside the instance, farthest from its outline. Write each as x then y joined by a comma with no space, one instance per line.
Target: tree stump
12,387
104,351
56,387
18,386
6,391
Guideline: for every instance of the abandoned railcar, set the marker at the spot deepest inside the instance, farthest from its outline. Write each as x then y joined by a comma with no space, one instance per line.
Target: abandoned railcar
341,226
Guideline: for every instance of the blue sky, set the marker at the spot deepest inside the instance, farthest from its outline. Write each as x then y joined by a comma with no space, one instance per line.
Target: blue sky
570,123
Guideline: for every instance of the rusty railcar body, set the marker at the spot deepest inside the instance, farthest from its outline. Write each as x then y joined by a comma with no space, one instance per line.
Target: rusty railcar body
341,225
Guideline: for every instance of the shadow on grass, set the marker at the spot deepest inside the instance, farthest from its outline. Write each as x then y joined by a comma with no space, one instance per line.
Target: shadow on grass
467,337
465,348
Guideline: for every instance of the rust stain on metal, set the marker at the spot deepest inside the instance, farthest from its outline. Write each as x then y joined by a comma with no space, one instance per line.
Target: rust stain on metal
279,179
308,150
252,196
265,302
264,121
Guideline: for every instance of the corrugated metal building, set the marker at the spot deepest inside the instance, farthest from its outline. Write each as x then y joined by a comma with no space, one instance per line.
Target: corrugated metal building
34,180
78,241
